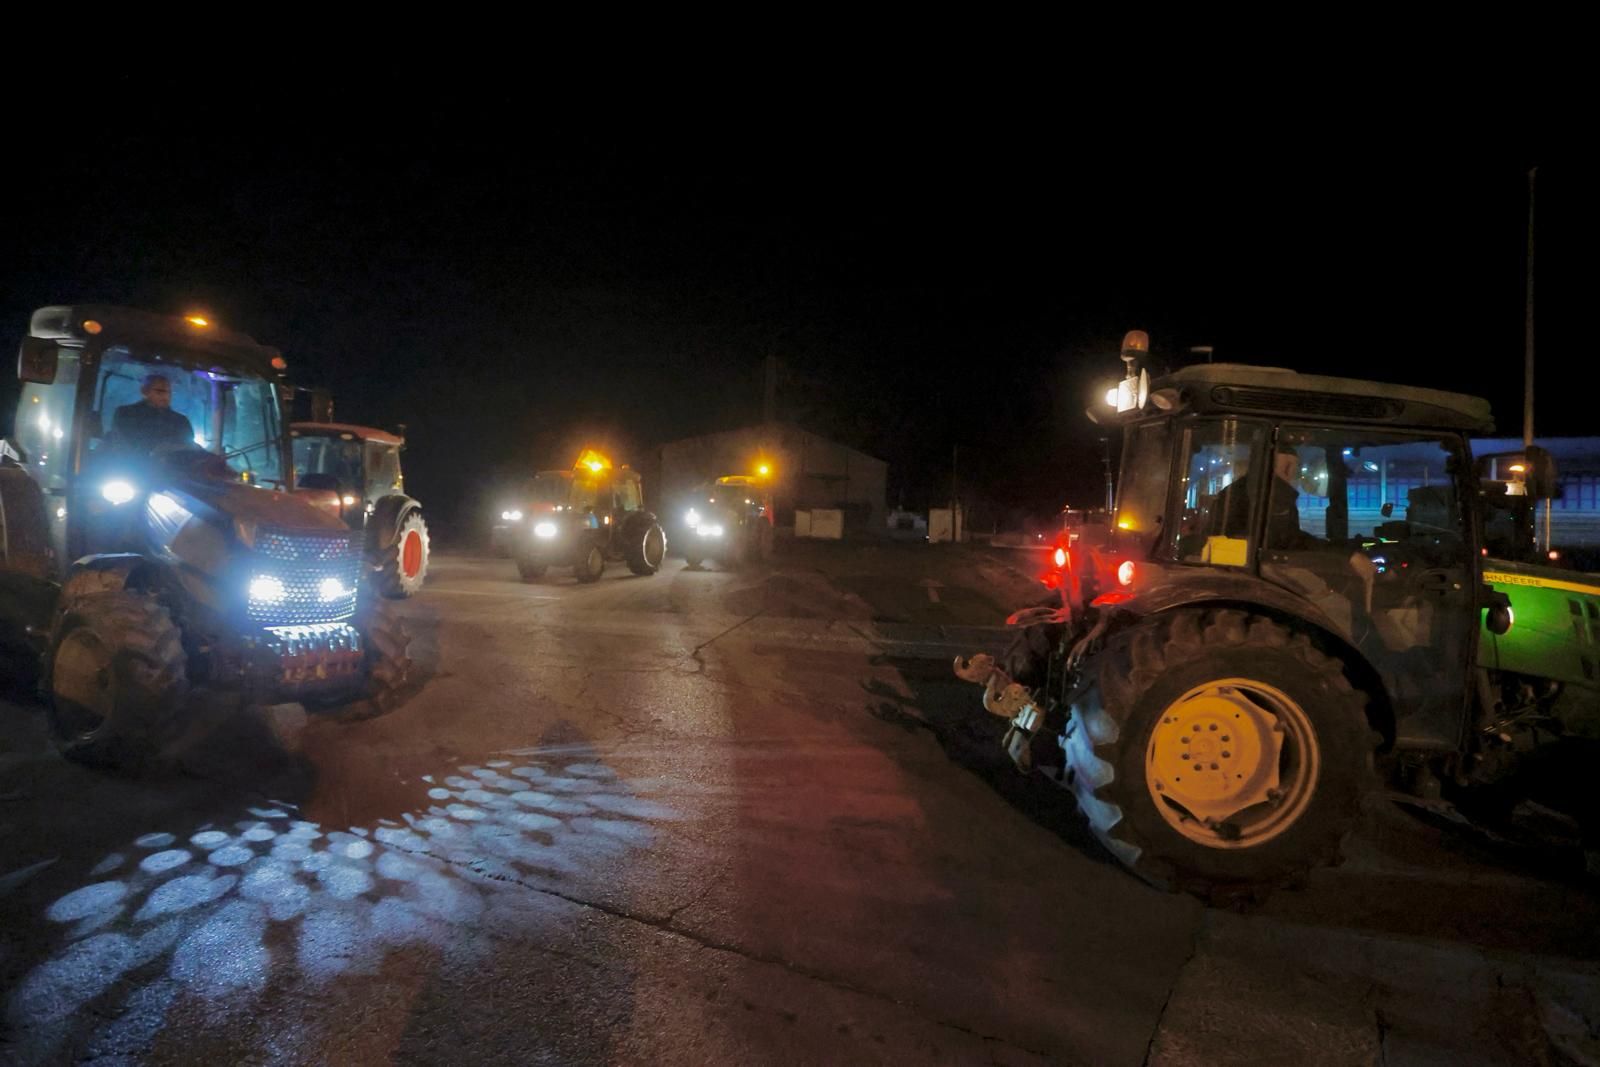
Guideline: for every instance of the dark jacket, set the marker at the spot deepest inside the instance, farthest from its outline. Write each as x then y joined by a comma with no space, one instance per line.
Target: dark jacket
143,427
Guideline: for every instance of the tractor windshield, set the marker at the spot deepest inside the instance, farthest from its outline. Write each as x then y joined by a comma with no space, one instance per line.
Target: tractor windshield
331,462
552,488
146,401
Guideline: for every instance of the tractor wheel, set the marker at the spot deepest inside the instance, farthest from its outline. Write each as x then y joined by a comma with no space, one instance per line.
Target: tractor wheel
403,565
647,550
591,566
531,572
1218,752
116,678
387,642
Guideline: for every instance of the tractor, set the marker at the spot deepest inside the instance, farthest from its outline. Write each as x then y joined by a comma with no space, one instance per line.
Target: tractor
356,471
730,520
1310,590
148,546
583,517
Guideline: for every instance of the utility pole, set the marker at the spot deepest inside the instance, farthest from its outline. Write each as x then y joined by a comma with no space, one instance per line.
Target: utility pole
1527,328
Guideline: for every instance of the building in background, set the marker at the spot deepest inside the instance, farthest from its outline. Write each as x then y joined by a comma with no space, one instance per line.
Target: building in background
808,471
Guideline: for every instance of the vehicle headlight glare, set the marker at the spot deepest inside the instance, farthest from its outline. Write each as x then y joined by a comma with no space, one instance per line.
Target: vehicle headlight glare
710,530
693,518
511,516
348,500
545,530
331,589
118,491
265,589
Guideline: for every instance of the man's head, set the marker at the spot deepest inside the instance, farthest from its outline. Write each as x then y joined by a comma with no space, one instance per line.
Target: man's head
1286,465
156,390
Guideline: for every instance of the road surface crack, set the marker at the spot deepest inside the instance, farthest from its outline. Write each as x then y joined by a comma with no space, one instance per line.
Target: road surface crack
665,925
1177,976
694,653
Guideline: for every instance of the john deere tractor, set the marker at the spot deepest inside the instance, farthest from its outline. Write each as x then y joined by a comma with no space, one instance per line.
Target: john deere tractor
151,543
583,517
729,521
355,470
1310,591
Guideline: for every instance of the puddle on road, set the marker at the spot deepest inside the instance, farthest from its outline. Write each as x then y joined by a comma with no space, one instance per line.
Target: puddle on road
224,912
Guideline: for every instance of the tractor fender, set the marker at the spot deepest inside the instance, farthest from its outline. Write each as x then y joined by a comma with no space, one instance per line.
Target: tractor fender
639,521
383,525
1184,588
108,573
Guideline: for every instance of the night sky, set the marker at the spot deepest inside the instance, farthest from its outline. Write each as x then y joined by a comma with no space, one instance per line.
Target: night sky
511,281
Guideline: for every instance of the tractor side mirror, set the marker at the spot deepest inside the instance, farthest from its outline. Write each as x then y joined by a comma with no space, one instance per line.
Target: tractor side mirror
37,360
1531,472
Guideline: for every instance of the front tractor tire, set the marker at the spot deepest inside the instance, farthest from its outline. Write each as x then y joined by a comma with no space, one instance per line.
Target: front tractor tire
116,679
1218,752
530,571
646,550
404,564
591,565
388,664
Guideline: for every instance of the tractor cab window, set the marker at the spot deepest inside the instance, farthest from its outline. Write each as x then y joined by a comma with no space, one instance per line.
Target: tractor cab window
383,468
44,423
333,462
1381,546
1146,468
1216,492
233,417
585,494
552,488
628,495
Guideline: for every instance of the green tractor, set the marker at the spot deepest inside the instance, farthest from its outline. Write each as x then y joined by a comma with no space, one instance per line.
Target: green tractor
355,472
150,541
1310,590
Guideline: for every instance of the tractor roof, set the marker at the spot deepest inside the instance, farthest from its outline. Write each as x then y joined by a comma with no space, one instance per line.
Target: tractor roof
1239,389
345,429
202,342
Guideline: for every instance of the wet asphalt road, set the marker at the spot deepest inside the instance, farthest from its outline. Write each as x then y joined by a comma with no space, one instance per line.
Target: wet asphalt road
705,818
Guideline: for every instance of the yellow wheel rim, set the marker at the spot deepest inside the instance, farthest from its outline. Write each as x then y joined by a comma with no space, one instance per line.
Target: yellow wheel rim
1233,763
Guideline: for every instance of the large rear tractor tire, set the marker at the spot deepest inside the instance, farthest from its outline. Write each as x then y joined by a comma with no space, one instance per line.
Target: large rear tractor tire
591,565
403,564
1219,752
646,550
116,679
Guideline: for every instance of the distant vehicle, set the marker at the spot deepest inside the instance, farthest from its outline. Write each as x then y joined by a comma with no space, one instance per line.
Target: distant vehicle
583,517
137,570
729,521
1309,579
358,468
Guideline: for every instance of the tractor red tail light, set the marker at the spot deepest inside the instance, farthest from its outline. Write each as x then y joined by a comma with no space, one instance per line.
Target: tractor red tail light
1061,557
1126,572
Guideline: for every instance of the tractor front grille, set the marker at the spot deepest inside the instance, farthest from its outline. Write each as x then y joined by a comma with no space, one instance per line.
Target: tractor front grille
310,567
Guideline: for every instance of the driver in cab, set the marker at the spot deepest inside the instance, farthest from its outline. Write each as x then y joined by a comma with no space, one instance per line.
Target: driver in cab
150,425
1231,509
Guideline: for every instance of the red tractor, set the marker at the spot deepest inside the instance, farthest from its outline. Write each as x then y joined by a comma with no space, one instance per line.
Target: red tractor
355,470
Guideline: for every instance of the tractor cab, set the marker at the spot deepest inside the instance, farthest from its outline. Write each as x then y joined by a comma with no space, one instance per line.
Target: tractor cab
96,442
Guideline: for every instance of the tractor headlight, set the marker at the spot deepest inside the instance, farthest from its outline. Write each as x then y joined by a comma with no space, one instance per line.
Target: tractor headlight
511,516
265,589
348,500
546,530
118,491
330,589
692,519
709,530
